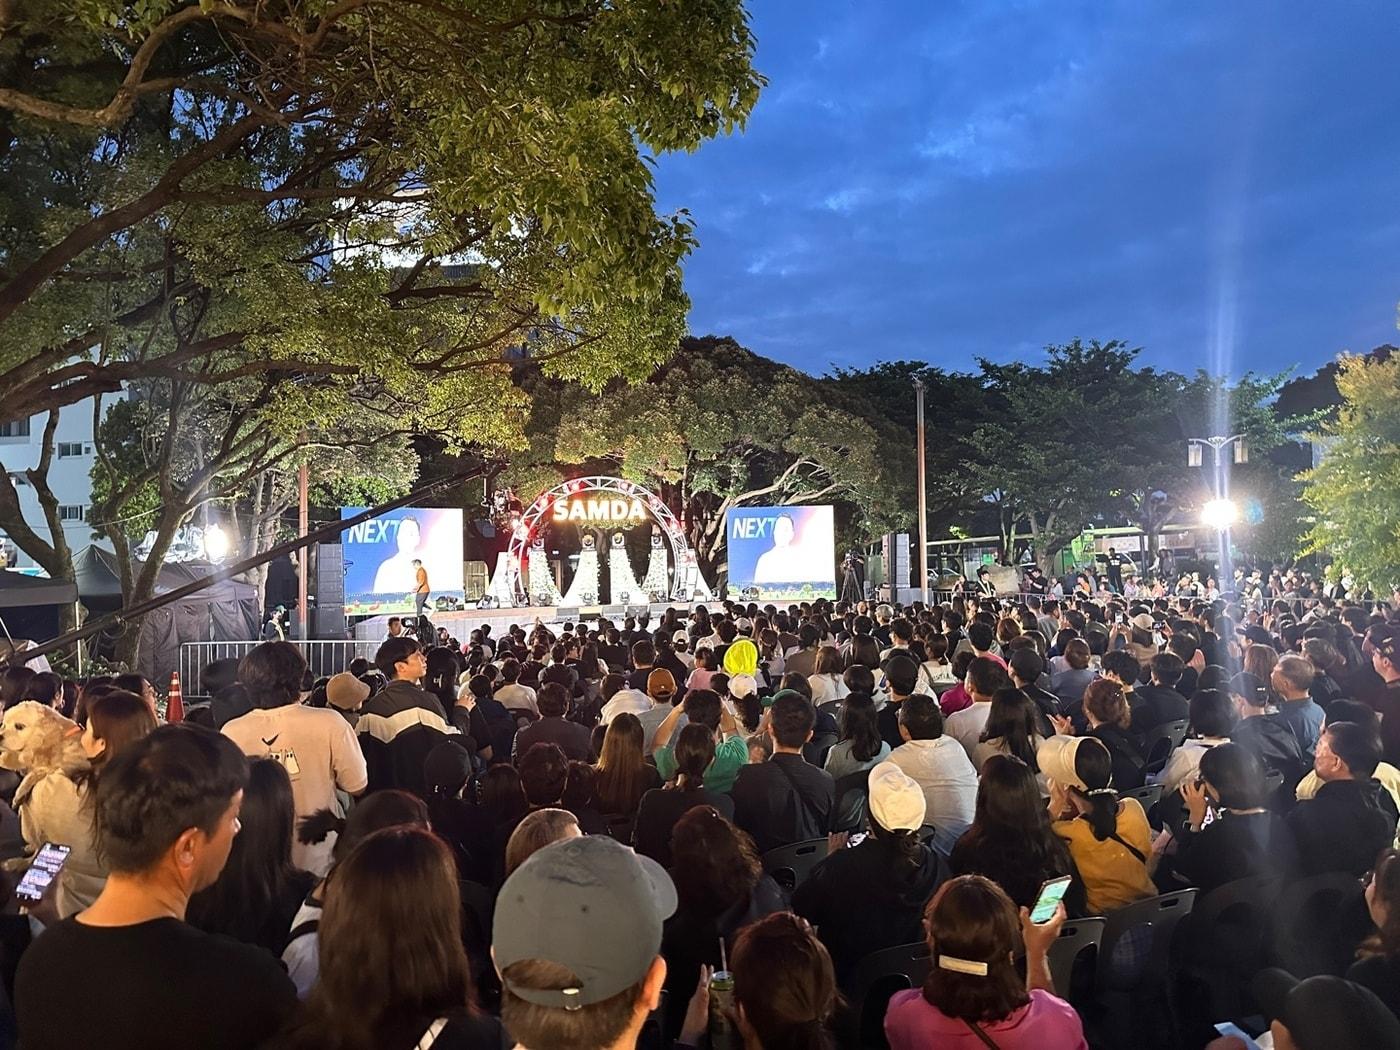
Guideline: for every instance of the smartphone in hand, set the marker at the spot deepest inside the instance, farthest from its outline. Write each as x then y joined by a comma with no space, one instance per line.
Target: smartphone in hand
47,863
1052,891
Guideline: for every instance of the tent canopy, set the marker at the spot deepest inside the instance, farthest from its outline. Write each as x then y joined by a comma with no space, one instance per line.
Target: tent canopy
99,578
19,591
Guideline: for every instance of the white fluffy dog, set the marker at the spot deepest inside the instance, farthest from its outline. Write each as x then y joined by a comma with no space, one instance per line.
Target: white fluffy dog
36,740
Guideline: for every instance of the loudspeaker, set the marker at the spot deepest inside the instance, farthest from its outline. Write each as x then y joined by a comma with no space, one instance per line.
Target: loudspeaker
894,547
328,614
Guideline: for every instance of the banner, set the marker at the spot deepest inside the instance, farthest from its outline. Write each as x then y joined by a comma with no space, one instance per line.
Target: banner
380,574
781,553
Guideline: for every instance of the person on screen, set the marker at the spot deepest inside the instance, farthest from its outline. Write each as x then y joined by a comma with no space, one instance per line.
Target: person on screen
786,562
396,573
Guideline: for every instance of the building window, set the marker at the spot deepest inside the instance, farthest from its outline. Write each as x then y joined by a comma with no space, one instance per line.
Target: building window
69,449
15,428
18,479
72,512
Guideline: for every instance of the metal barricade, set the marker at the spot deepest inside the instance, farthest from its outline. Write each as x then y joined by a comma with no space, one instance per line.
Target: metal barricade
324,656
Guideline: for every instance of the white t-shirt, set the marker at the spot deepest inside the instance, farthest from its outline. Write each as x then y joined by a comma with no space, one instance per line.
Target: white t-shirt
949,782
517,697
826,688
966,726
318,749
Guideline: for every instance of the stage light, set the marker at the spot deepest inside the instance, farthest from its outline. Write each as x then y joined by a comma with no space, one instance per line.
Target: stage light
216,543
1220,514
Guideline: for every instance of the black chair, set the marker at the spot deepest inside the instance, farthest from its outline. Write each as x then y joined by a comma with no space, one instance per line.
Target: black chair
852,795
1318,922
790,865
878,976
1220,947
1067,957
1131,986
1147,795
1160,744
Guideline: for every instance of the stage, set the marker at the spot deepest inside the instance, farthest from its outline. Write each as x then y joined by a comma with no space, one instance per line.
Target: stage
461,622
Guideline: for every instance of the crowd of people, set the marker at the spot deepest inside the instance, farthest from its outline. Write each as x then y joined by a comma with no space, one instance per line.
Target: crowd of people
581,836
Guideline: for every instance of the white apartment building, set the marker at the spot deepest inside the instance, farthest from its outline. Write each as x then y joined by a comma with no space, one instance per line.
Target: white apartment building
69,474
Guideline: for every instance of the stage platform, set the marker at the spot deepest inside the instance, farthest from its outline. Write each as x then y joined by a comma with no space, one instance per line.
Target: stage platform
461,622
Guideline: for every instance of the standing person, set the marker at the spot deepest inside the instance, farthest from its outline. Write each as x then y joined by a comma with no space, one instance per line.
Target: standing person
394,898
890,871
166,813
577,938
260,890
974,997
1115,571
785,800
316,746
420,589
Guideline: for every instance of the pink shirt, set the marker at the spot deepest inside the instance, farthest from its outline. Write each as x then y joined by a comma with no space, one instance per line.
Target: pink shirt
1045,1023
700,678
955,699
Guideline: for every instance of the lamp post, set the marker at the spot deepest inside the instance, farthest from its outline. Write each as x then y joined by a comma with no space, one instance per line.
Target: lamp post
923,509
1221,512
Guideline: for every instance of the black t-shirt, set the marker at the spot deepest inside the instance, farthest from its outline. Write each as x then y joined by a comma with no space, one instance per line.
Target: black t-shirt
155,985
1381,974
661,808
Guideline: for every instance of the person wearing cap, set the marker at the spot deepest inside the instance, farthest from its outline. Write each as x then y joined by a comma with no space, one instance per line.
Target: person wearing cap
577,940
1109,839
661,694
1324,1013
554,728
941,768
1352,817
316,746
785,799
975,995
346,694
890,871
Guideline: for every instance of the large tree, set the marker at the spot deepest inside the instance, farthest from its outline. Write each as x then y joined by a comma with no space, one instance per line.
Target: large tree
368,206
718,427
1355,489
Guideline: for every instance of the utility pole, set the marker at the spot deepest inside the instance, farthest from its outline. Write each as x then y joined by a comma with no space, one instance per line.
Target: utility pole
923,509
303,619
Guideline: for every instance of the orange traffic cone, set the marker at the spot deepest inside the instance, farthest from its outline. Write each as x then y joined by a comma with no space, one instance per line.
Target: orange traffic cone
174,703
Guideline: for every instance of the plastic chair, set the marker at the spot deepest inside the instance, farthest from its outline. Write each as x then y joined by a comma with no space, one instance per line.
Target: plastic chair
1159,916
1077,937
1147,795
1221,946
1131,985
1160,744
852,794
1317,924
790,865
878,976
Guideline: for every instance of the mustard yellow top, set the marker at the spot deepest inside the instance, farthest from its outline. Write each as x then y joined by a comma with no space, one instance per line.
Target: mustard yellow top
1113,877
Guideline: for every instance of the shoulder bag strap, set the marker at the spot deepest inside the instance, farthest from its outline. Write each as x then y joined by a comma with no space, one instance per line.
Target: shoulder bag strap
986,1039
1129,847
797,790
431,1035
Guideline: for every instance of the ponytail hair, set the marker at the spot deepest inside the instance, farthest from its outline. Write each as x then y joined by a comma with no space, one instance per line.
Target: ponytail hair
1094,768
903,849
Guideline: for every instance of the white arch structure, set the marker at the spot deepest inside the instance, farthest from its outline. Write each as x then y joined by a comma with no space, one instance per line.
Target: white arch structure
686,582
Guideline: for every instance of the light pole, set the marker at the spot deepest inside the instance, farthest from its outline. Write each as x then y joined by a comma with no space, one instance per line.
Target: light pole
923,509
1221,512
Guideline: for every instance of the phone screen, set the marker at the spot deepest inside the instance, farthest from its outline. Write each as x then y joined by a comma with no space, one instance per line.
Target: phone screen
1227,1028
48,862
1052,891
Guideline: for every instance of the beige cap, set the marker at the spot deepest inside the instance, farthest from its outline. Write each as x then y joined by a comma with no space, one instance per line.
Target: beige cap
346,692
1142,621
1056,759
896,801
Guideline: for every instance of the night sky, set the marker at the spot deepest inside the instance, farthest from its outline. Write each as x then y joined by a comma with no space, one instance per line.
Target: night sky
1214,181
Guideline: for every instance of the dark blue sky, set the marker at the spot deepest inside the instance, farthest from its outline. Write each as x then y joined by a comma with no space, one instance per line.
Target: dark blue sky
1218,182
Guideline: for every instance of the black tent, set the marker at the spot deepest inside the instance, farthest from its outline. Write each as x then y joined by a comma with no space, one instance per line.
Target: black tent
225,611
30,604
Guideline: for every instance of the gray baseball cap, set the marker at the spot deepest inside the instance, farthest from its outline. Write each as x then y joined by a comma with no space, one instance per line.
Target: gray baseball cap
590,905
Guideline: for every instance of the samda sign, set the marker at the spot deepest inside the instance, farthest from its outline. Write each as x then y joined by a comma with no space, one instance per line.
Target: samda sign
600,510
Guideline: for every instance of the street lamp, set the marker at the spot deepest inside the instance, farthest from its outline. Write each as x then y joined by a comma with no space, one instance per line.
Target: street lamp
216,543
1220,514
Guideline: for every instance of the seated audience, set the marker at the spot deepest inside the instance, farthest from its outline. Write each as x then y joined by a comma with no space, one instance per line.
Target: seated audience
785,799
1377,965
704,707
890,871
1013,728
975,996
941,768
1010,840
661,808
784,989
1109,840
536,831
1352,817
553,727
623,774
165,813
859,745
1291,681
985,678
1228,833
1212,720
1160,701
